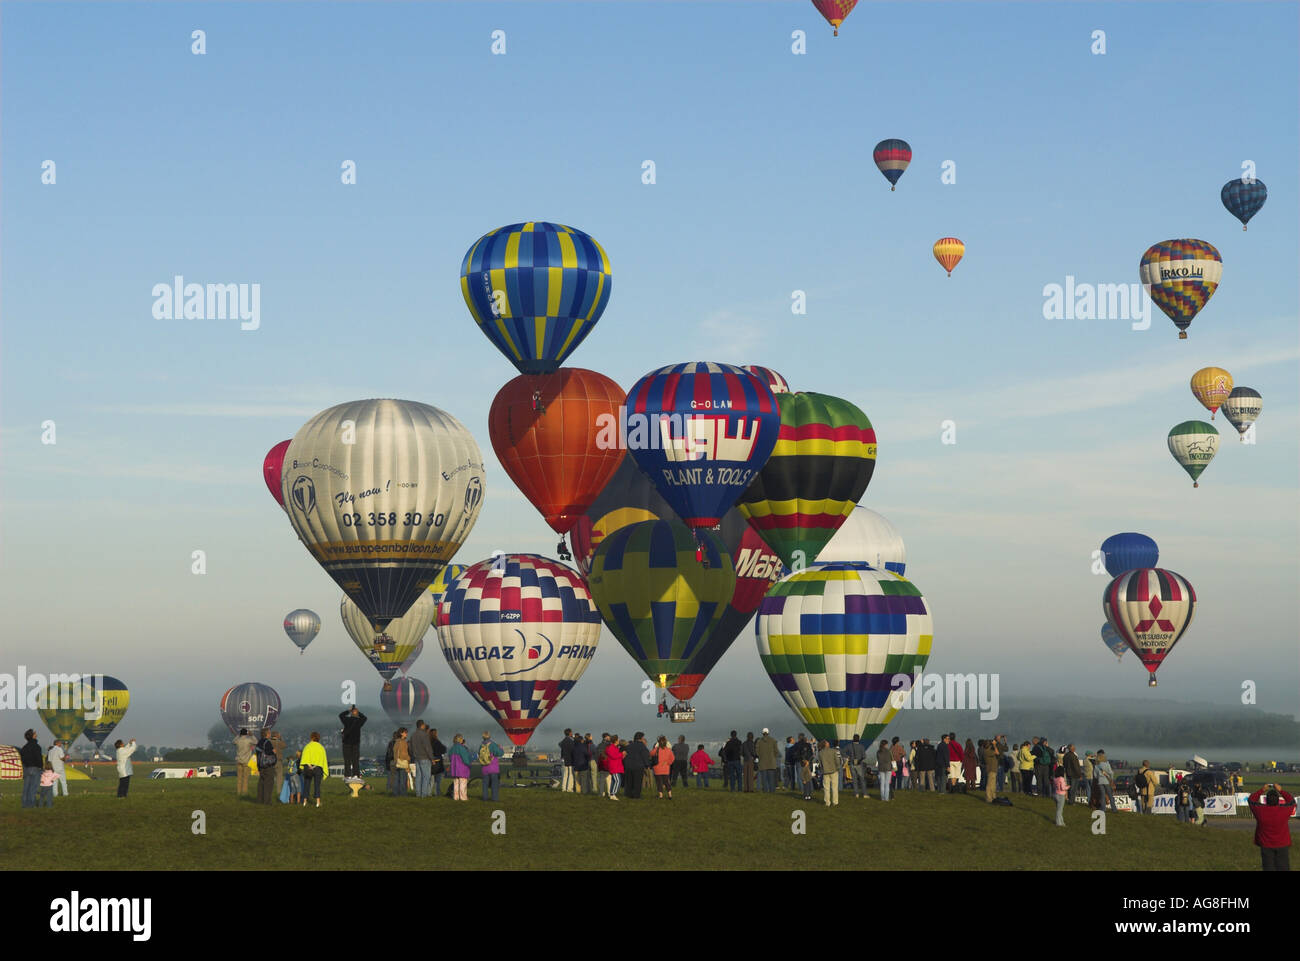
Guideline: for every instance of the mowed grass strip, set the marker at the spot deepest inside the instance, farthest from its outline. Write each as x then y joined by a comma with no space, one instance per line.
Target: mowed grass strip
544,829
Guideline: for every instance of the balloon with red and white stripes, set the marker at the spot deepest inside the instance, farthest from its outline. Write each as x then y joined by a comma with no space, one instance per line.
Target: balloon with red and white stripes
1150,608
518,630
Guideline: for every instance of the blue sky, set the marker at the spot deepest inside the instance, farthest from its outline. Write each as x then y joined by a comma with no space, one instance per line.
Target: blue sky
226,168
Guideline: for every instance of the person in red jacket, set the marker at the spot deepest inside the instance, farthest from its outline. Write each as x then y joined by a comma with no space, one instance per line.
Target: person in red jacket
614,764
1273,809
700,762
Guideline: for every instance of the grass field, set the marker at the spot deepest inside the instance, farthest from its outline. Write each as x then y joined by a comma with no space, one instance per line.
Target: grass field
152,830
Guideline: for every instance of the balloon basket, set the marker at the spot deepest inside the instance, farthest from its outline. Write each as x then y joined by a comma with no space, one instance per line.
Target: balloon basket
1152,682
1182,335
562,551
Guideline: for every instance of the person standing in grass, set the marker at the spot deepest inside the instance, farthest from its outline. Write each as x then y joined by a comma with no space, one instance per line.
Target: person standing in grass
293,777
856,756
489,756
1073,772
731,766
662,758
353,721
942,758
700,762
885,769
1105,780
460,765
422,758
681,761
749,755
1025,760
1148,782
48,780
266,765
614,765
401,761
1043,759
829,759
806,778
439,753
593,764
315,767
969,761
790,775
56,758
125,768
1061,791
1272,808
992,761
578,752
244,745
33,765
566,762
926,760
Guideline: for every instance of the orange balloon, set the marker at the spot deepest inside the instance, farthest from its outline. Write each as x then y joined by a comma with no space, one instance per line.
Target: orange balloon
948,251
547,432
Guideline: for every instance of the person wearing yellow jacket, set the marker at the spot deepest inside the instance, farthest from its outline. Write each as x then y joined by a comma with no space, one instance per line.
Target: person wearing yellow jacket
1025,764
314,767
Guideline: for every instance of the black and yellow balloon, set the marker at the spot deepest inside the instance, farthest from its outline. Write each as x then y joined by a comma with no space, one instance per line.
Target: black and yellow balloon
63,707
655,597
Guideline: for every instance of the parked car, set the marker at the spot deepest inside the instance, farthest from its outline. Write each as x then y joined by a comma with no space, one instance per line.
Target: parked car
1232,767
1211,782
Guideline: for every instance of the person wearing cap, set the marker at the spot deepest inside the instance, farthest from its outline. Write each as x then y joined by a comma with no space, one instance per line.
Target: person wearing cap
1272,808
769,759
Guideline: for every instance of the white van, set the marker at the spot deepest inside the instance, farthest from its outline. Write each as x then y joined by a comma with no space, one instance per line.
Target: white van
171,772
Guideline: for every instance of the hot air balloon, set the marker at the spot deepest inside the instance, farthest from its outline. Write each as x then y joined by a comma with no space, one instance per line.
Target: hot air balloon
757,569
536,290
627,498
112,699
835,11
404,701
544,431
1123,552
1181,276
1150,609
949,252
656,598
1114,643
1211,386
1242,408
1243,198
439,586
775,382
383,493
820,468
250,706
892,158
302,626
868,538
518,630
64,706
1194,444
405,633
273,469
835,637
701,432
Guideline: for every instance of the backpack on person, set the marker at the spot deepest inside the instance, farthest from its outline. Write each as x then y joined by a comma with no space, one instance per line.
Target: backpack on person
485,753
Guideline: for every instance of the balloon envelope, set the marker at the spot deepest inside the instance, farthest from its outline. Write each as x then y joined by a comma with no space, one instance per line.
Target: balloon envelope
11,763
833,638
1242,408
775,382
64,706
1124,552
655,597
518,631
1211,386
892,158
536,290
835,11
1114,643
302,626
701,432
545,431
405,632
1243,198
113,698
949,251
273,469
383,493
405,700
1193,443
439,586
819,469
1150,609
866,537
249,705
1181,276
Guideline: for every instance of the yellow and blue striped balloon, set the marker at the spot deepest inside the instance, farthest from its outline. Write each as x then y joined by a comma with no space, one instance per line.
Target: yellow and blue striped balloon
536,290
655,597
834,637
